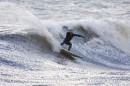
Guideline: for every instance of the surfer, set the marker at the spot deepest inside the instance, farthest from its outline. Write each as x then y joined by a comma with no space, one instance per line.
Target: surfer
68,38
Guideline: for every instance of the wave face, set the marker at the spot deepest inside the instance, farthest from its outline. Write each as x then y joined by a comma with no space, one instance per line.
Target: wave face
106,41
30,44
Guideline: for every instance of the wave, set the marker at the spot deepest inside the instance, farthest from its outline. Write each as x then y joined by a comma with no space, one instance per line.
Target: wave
106,41
113,32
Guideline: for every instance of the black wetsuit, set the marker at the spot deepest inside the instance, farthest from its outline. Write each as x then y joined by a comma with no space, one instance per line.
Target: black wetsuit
69,36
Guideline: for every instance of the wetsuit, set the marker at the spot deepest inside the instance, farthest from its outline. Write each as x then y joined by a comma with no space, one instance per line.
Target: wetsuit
68,38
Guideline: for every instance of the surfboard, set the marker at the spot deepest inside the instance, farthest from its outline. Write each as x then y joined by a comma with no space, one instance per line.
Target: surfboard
69,54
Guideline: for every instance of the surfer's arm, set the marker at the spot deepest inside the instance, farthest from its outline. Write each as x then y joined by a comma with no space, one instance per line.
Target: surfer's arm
78,35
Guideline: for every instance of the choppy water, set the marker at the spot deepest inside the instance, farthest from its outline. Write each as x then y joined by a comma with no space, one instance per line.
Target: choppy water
31,32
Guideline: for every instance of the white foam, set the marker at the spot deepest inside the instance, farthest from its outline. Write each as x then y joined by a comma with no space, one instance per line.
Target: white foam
113,31
110,31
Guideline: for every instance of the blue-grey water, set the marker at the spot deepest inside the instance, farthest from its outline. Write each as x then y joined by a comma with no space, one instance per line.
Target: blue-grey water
31,32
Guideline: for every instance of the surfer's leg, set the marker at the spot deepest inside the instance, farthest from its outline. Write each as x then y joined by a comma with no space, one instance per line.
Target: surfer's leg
70,45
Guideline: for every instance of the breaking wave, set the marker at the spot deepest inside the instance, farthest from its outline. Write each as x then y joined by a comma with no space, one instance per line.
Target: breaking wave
106,41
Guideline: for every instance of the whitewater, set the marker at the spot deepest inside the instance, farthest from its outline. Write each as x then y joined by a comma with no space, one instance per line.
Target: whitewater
31,32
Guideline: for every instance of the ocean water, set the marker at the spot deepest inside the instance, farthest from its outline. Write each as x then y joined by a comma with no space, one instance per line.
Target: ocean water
31,32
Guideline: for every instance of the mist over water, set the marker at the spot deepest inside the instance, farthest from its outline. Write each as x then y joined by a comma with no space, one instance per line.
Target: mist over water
31,32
